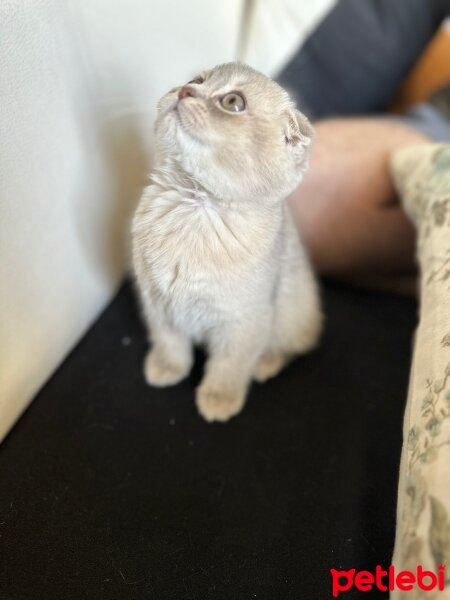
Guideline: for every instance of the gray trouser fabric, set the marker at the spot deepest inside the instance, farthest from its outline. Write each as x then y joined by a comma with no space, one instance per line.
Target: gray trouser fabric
429,121
354,62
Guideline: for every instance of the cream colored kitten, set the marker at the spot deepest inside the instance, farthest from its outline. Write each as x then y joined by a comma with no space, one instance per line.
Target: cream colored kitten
217,258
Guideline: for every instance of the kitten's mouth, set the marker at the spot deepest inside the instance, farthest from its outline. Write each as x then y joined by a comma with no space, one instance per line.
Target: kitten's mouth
172,109
175,110
176,103
177,115
184,119
173,106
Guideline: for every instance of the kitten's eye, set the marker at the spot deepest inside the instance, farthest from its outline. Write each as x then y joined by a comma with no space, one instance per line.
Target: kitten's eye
197,80
233,102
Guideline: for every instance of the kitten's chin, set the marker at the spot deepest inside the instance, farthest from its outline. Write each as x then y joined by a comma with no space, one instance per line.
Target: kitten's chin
171,130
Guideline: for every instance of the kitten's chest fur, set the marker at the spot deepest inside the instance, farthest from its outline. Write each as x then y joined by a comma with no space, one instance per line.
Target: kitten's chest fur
201,260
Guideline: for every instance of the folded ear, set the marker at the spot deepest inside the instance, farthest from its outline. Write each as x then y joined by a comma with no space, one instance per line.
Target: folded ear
298,134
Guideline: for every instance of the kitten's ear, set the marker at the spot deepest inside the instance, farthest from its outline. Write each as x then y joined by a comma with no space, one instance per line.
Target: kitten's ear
298,133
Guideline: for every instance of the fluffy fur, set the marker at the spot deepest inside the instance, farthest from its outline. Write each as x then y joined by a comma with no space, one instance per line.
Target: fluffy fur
217,258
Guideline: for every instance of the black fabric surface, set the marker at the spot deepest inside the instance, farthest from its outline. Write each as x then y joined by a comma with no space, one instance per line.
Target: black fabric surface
113,490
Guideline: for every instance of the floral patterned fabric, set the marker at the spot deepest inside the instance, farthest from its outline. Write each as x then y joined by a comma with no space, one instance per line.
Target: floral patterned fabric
422,177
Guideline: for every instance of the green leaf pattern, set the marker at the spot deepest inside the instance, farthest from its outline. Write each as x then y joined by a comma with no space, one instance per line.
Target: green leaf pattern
422,177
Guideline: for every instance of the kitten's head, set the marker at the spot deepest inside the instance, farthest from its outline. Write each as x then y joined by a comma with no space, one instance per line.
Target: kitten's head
236,132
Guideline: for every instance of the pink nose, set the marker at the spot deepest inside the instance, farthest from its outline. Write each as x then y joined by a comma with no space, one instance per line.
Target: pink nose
185,92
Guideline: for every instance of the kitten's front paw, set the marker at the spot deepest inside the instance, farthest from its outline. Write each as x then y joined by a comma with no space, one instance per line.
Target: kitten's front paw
269,365
161,372
215,404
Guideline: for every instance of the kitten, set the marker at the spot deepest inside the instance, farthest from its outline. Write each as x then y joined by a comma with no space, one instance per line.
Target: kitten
216,256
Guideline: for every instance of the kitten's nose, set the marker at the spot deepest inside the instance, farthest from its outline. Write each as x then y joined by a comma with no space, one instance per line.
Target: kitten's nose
186,91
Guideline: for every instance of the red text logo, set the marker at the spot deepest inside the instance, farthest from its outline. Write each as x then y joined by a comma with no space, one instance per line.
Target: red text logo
387,579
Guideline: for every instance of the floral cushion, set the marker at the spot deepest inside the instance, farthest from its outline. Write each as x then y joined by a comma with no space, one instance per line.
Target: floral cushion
422,178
